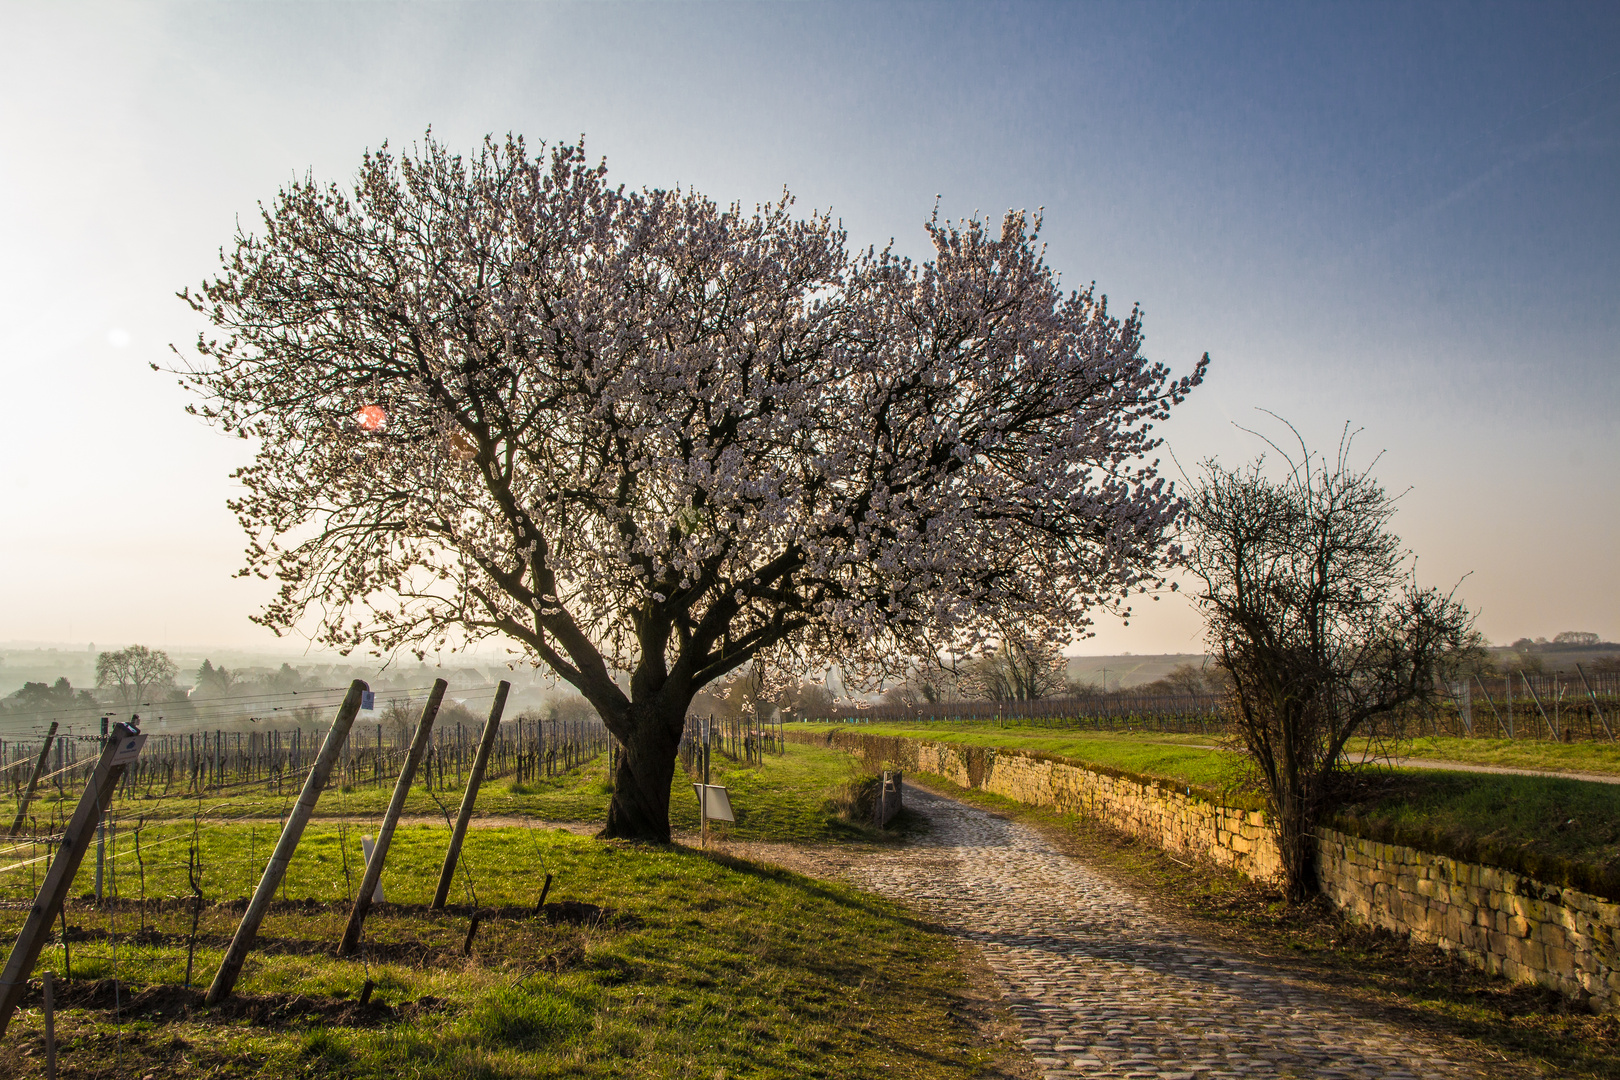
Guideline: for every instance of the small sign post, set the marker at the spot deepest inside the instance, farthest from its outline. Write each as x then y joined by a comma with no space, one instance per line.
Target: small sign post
714,804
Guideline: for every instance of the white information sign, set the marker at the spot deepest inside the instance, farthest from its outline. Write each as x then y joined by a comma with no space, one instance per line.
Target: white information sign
129,748
713,802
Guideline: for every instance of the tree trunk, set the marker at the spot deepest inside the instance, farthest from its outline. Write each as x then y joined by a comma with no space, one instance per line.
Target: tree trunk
640,806
1296,843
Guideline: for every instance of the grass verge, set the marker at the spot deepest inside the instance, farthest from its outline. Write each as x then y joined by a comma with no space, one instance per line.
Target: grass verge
1563,832
1590,757
645,961
1184,759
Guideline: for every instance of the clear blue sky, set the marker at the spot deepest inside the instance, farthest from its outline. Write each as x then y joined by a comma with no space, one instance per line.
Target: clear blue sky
1405,216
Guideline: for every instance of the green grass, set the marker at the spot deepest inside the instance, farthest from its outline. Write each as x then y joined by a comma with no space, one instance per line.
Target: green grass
1565,832
1183,759
1591,757
783,798
786,798
699,965
1199,765
789,797
577,795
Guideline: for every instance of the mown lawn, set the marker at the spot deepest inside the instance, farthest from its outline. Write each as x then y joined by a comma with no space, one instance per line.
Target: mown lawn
645,961
1592,757
1185,759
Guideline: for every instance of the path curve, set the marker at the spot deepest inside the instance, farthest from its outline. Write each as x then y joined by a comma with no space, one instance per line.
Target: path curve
1103,985
1510,770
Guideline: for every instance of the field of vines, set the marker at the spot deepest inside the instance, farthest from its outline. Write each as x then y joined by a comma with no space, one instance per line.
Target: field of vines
1556,707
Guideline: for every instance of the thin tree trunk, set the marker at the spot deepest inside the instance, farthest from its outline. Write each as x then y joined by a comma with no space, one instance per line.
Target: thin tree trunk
1296,843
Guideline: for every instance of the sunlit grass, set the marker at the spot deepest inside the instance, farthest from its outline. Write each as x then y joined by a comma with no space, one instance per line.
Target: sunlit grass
699,964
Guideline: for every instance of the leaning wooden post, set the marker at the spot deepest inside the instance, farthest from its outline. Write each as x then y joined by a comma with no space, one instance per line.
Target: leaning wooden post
1597,708
116,753
33,781
492,727
385,835
247,931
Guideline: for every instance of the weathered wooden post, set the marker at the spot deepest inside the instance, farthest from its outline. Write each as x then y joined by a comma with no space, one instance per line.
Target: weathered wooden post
101,831
248,929
492,727
385,835
1596,707
116,753
48,992
33,781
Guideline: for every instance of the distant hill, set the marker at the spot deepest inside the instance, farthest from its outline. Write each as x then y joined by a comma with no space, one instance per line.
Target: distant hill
1126,670
1555,655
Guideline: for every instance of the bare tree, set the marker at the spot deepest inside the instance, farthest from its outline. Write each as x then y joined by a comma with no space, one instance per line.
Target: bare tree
1314,614
643,435
805,701
135,672
1016,670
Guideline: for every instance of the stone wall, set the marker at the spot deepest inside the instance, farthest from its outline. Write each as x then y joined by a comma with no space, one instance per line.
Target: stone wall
1504,922
1516,926
1180,820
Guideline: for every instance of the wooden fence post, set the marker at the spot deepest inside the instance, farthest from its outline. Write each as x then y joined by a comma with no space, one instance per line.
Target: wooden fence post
116,754
385,835
48,993
33,781
248,929
492,727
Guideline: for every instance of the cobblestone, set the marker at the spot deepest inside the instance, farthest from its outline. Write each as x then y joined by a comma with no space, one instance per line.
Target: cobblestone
1104,987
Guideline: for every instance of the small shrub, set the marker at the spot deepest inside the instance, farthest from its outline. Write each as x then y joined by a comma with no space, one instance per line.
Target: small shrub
855,800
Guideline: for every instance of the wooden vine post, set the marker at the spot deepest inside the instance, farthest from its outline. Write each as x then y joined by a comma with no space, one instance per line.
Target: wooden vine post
492,728
33,781
121,748
385,835
248,929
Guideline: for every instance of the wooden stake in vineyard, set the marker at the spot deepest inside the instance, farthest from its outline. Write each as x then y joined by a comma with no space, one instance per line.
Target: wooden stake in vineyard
117,753
33,781
248,929
385,835
492,728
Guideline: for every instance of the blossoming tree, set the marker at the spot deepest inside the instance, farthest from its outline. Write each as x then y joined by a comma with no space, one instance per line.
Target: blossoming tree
650,439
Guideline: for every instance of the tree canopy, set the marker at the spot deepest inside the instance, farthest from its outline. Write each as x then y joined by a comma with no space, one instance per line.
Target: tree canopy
638,433
135,672
1315,617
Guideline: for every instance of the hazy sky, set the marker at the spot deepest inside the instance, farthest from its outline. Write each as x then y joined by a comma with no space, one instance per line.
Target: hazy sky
1406,217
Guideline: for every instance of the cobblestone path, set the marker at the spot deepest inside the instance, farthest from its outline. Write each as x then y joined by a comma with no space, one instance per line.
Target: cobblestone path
1103,986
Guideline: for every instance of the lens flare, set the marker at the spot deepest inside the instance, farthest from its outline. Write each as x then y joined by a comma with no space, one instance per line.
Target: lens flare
371,418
